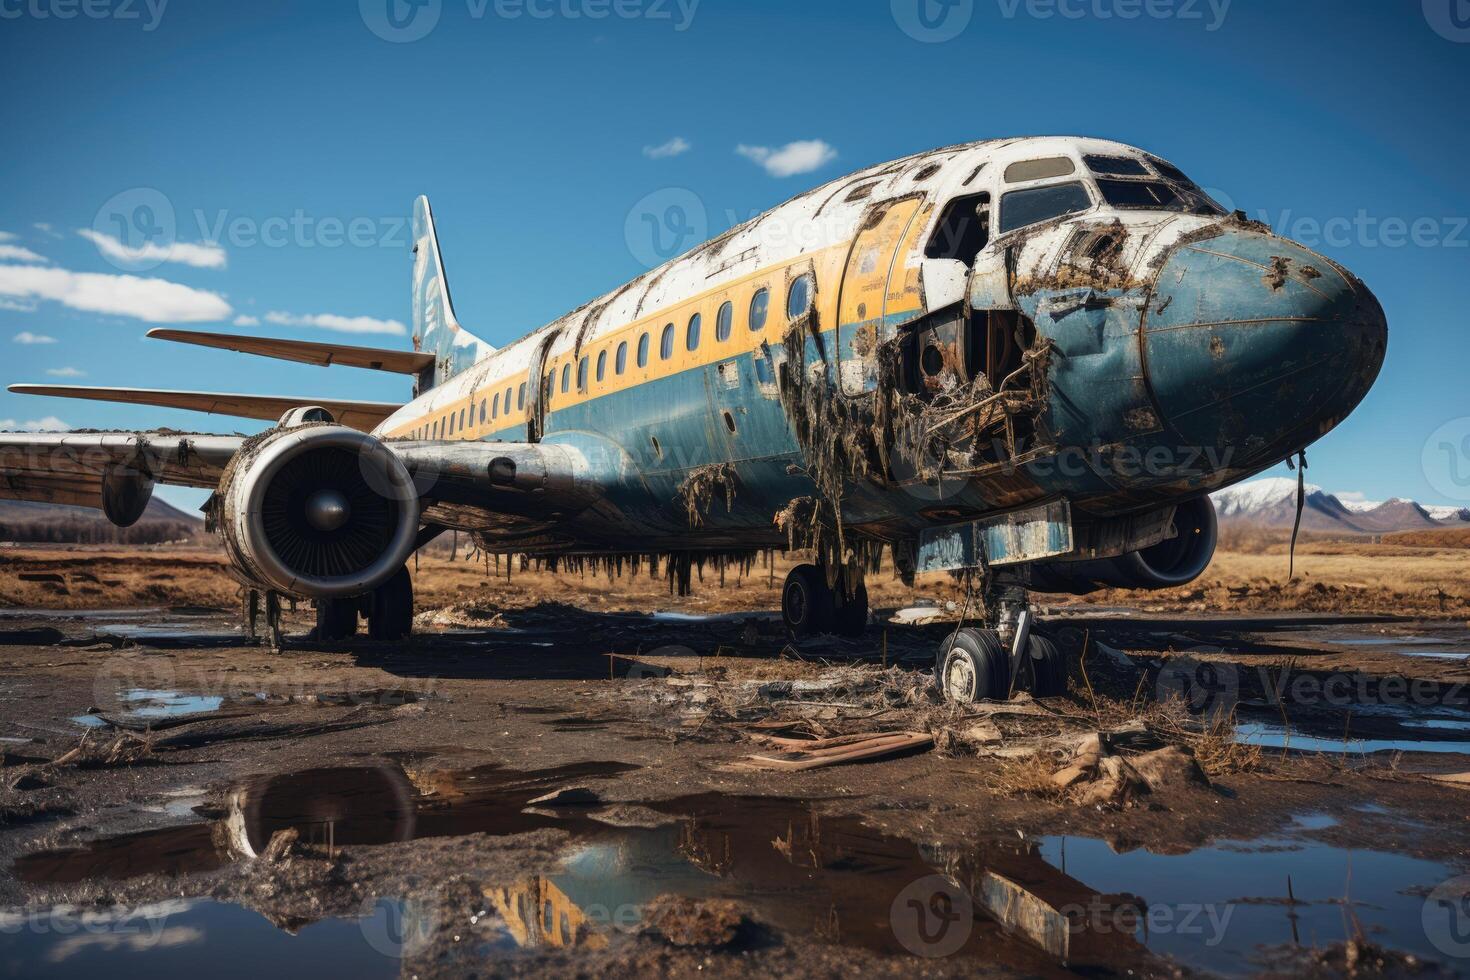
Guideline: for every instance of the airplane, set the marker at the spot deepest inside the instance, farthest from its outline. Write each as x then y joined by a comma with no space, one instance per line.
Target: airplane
1022,362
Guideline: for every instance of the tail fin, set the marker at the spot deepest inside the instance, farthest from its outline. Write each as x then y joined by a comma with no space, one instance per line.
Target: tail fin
435,329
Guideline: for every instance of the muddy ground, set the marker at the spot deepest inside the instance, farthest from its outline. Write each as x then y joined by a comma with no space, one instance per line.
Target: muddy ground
1273,791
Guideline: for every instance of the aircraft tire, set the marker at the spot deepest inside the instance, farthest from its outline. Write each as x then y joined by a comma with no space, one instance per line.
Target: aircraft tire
336,619
850,614
972,666
391,610
806,602
1043,671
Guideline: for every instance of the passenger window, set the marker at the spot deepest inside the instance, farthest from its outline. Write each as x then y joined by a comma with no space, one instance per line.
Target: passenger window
507,401
1026,170
1021,208
799,297
582,375
724,321
601,364
759,305
462,418
666,342
483,407
963,231
566,376
643,351
451,425
495,406
621,361
691,336
521,396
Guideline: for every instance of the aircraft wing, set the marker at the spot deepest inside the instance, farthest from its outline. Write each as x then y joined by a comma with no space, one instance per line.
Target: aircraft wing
354,414
68,468
304,351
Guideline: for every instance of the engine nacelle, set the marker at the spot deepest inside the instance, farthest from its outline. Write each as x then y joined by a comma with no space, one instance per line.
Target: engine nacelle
1170,563
317,510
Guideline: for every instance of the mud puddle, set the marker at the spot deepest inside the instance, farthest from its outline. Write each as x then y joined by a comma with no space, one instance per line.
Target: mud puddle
1049,907
1215,907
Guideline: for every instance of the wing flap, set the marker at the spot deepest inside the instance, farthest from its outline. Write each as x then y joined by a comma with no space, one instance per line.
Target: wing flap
356,414
304,351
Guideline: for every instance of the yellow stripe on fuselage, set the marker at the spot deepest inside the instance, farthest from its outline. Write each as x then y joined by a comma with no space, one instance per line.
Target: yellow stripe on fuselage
827,264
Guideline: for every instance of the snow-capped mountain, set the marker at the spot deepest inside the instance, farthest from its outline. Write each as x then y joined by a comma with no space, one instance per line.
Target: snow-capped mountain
1272,502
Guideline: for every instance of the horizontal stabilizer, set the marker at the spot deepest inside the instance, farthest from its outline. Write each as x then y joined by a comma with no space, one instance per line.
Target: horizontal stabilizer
305,351
357,415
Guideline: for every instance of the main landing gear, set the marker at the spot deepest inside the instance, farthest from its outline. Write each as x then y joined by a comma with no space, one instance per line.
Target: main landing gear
983,664
388,610
810,606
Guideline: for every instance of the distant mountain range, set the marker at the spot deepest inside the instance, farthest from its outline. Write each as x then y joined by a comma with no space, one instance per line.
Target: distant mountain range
1272,503
24,520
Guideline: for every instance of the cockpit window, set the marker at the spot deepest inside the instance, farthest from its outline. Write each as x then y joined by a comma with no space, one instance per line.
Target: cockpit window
1117,166
1156,195
1026,207
1170,171
1026,170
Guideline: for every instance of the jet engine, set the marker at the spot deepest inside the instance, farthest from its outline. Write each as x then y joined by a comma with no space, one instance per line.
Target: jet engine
316,510
1176,561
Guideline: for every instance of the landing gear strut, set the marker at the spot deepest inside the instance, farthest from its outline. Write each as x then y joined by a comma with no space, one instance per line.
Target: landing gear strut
992,664
809,606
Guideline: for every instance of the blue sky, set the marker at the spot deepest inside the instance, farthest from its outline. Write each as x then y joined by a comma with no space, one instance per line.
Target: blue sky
296,137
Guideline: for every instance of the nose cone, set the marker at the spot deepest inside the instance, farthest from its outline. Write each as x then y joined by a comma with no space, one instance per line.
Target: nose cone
1257,346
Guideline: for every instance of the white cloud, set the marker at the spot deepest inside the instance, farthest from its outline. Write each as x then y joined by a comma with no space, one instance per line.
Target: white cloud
800,157
204,255
48,424
247,321
17,253
332,321
7,236
672,148
66,372
6,304
26,337
151,300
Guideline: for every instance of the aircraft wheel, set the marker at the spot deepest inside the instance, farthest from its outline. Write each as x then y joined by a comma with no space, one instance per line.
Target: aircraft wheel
390,615
336,619
1043,670
850,613
972,667
806,602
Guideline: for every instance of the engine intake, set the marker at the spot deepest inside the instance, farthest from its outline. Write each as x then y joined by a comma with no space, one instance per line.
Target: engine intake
1170,563
317,510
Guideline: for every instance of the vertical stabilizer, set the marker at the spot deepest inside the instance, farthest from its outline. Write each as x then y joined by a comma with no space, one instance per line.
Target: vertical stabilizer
435,329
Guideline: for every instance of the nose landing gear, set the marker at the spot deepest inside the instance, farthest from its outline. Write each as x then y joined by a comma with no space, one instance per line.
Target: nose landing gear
992,664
